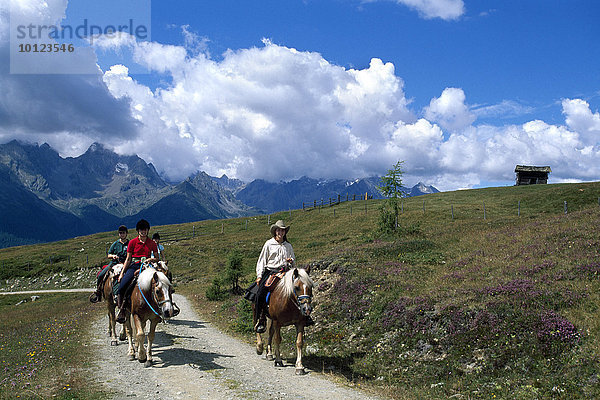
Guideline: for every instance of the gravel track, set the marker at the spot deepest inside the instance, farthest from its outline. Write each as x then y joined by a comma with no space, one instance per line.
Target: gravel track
193,360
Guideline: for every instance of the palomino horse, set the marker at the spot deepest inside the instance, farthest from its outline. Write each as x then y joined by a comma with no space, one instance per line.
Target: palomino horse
107,292
150,300
289,303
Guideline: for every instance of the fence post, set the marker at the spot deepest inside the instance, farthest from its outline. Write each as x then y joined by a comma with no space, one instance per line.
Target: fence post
314,204
566,209
193,231
452,210
222,227
350,209
484,210
519,209
302,206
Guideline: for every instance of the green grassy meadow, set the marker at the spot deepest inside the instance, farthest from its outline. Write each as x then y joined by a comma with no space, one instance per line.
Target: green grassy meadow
487,293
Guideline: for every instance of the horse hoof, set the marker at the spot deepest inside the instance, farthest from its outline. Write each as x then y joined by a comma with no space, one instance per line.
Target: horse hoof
131,357
148,363
300,371
114,343
259,349
279,363
270,357
122,337
142,361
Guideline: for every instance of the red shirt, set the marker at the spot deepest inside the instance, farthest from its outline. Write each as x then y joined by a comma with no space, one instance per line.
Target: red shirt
139,249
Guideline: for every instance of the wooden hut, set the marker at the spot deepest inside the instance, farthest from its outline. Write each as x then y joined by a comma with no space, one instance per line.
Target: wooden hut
530,175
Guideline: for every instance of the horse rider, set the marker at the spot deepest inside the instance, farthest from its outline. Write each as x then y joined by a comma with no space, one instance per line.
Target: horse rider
168,273
277,254
139,251
161,248
117,253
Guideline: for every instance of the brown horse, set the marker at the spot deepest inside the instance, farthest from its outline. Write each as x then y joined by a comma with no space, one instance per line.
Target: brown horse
150,301
107,292
289,304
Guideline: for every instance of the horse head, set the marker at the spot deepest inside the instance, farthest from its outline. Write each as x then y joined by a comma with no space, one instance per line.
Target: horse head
156,288
161,288
302,290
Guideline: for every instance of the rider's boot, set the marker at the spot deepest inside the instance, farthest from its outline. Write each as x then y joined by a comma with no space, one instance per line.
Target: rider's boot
97,295
261,325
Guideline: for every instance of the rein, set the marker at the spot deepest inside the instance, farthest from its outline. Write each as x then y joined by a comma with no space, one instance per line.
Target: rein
160,303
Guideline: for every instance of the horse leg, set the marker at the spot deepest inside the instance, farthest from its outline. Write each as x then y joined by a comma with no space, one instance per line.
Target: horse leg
153,323
259,344
140,337
276,344
128,327
299,343
112,323
270,340
123,333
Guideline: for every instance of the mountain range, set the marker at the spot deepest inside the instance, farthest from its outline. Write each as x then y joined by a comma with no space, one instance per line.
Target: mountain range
46,197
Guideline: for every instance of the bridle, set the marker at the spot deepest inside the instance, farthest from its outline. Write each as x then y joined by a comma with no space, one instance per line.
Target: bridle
299,300
159,303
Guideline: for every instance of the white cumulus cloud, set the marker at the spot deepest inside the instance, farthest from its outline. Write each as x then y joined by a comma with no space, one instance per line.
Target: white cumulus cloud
444,9
450,111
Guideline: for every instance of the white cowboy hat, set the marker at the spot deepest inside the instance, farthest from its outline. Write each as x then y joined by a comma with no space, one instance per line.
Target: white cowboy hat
279,224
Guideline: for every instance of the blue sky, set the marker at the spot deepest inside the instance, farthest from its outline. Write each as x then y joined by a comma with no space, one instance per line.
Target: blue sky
461,90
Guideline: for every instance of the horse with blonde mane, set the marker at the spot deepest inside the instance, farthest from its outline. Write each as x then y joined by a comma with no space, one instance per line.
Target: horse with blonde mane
288,304
150,301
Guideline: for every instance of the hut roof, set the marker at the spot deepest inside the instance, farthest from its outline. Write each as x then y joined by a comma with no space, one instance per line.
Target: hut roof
531,168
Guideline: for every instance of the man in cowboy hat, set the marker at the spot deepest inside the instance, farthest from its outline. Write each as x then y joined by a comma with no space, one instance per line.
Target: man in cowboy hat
277,253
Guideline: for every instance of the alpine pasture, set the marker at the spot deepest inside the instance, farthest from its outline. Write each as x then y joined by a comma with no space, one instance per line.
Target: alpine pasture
487,293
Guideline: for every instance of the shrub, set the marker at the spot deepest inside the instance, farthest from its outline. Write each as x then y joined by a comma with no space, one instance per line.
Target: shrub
215,291
388,217
233,270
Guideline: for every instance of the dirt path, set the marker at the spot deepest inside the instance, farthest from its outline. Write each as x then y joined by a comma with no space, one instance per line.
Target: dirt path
193,360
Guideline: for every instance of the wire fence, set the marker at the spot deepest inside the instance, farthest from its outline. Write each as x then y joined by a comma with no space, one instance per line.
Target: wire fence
95,255
333,201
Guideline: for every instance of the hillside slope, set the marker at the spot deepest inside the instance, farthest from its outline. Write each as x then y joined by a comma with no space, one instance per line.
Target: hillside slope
488,293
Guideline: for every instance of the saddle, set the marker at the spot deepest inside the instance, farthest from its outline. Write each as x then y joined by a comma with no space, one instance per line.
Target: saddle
116,284
272,280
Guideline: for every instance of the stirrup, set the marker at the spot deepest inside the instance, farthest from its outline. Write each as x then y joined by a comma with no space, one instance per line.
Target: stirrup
260,326
94,298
